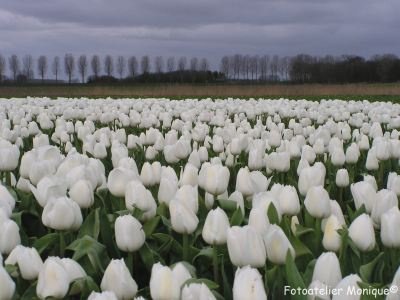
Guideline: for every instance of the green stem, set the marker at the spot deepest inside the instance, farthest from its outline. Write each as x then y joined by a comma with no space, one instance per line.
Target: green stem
318,235
62,243
215,264
8,178
185,245
129,262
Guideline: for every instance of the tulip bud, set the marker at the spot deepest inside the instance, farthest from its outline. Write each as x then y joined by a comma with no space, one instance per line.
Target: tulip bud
197,291
338,157
81,192
327,269
189,176
129,233
168,185
215,227
7,285
390,222
53,280
165,284
248,284
183,218
319,289
9,237
62,214
28,260
317,202
117,279
394,286
245,247
361,232
372,162
342,178
9,156
277,245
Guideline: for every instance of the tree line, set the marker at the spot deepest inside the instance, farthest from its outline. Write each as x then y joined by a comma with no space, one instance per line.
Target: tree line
301,68
108,69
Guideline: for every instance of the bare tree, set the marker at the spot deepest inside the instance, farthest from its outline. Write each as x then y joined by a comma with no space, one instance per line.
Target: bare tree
109,65
96,66
182,63
194,64
274,65
145,64
69,66
133,66
82,66
171,64
2,67
42,66
224,66
27,63
159,64
56,67
120,66
204,65
13,63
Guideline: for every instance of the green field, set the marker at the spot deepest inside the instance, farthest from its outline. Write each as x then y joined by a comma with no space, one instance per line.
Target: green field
373,92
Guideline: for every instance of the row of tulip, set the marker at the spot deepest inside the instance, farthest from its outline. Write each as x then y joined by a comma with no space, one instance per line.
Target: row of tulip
198,199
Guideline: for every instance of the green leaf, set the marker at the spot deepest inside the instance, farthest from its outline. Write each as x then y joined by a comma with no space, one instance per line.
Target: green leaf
151,225
107,233
227,205
237,217
91,225
367,270
299,247
293,276
147,256
84,286
205,252
272,214
210,284
30,293
46,242
301,230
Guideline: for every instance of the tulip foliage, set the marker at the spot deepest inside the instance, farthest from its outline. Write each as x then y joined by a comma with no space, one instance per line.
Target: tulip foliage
197,199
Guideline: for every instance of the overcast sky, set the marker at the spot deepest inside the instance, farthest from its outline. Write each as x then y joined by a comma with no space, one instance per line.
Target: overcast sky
204,28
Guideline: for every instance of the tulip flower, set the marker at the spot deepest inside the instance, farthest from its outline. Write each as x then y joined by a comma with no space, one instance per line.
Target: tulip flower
189,176
342,178
117,279
361,232
277,245
393,288
129,233
9,156
118,180
9,237
197,291
28,260
311,176
53,280
349,283
390,220
102,296
332,240
248,284
243,182
62,214
288,199
213,178
215,227
137,196
245,247
7,285
319,289
393,183
82,193
168,185
327,269
317,202
385,200
183,218
166,283
7,201
363,193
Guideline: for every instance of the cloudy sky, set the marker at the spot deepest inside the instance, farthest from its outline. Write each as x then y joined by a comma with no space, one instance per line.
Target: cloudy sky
204,28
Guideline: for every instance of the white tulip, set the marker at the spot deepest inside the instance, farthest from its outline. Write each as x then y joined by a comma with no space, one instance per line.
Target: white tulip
81,192
277,245
129,233
9,237
361,232
7,285
215,227
248,284
349,283
390,220
53,280
327,269
317,202
28,260
62,214
197,291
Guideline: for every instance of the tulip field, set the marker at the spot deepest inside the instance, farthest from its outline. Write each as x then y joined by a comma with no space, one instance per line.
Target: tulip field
199,199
